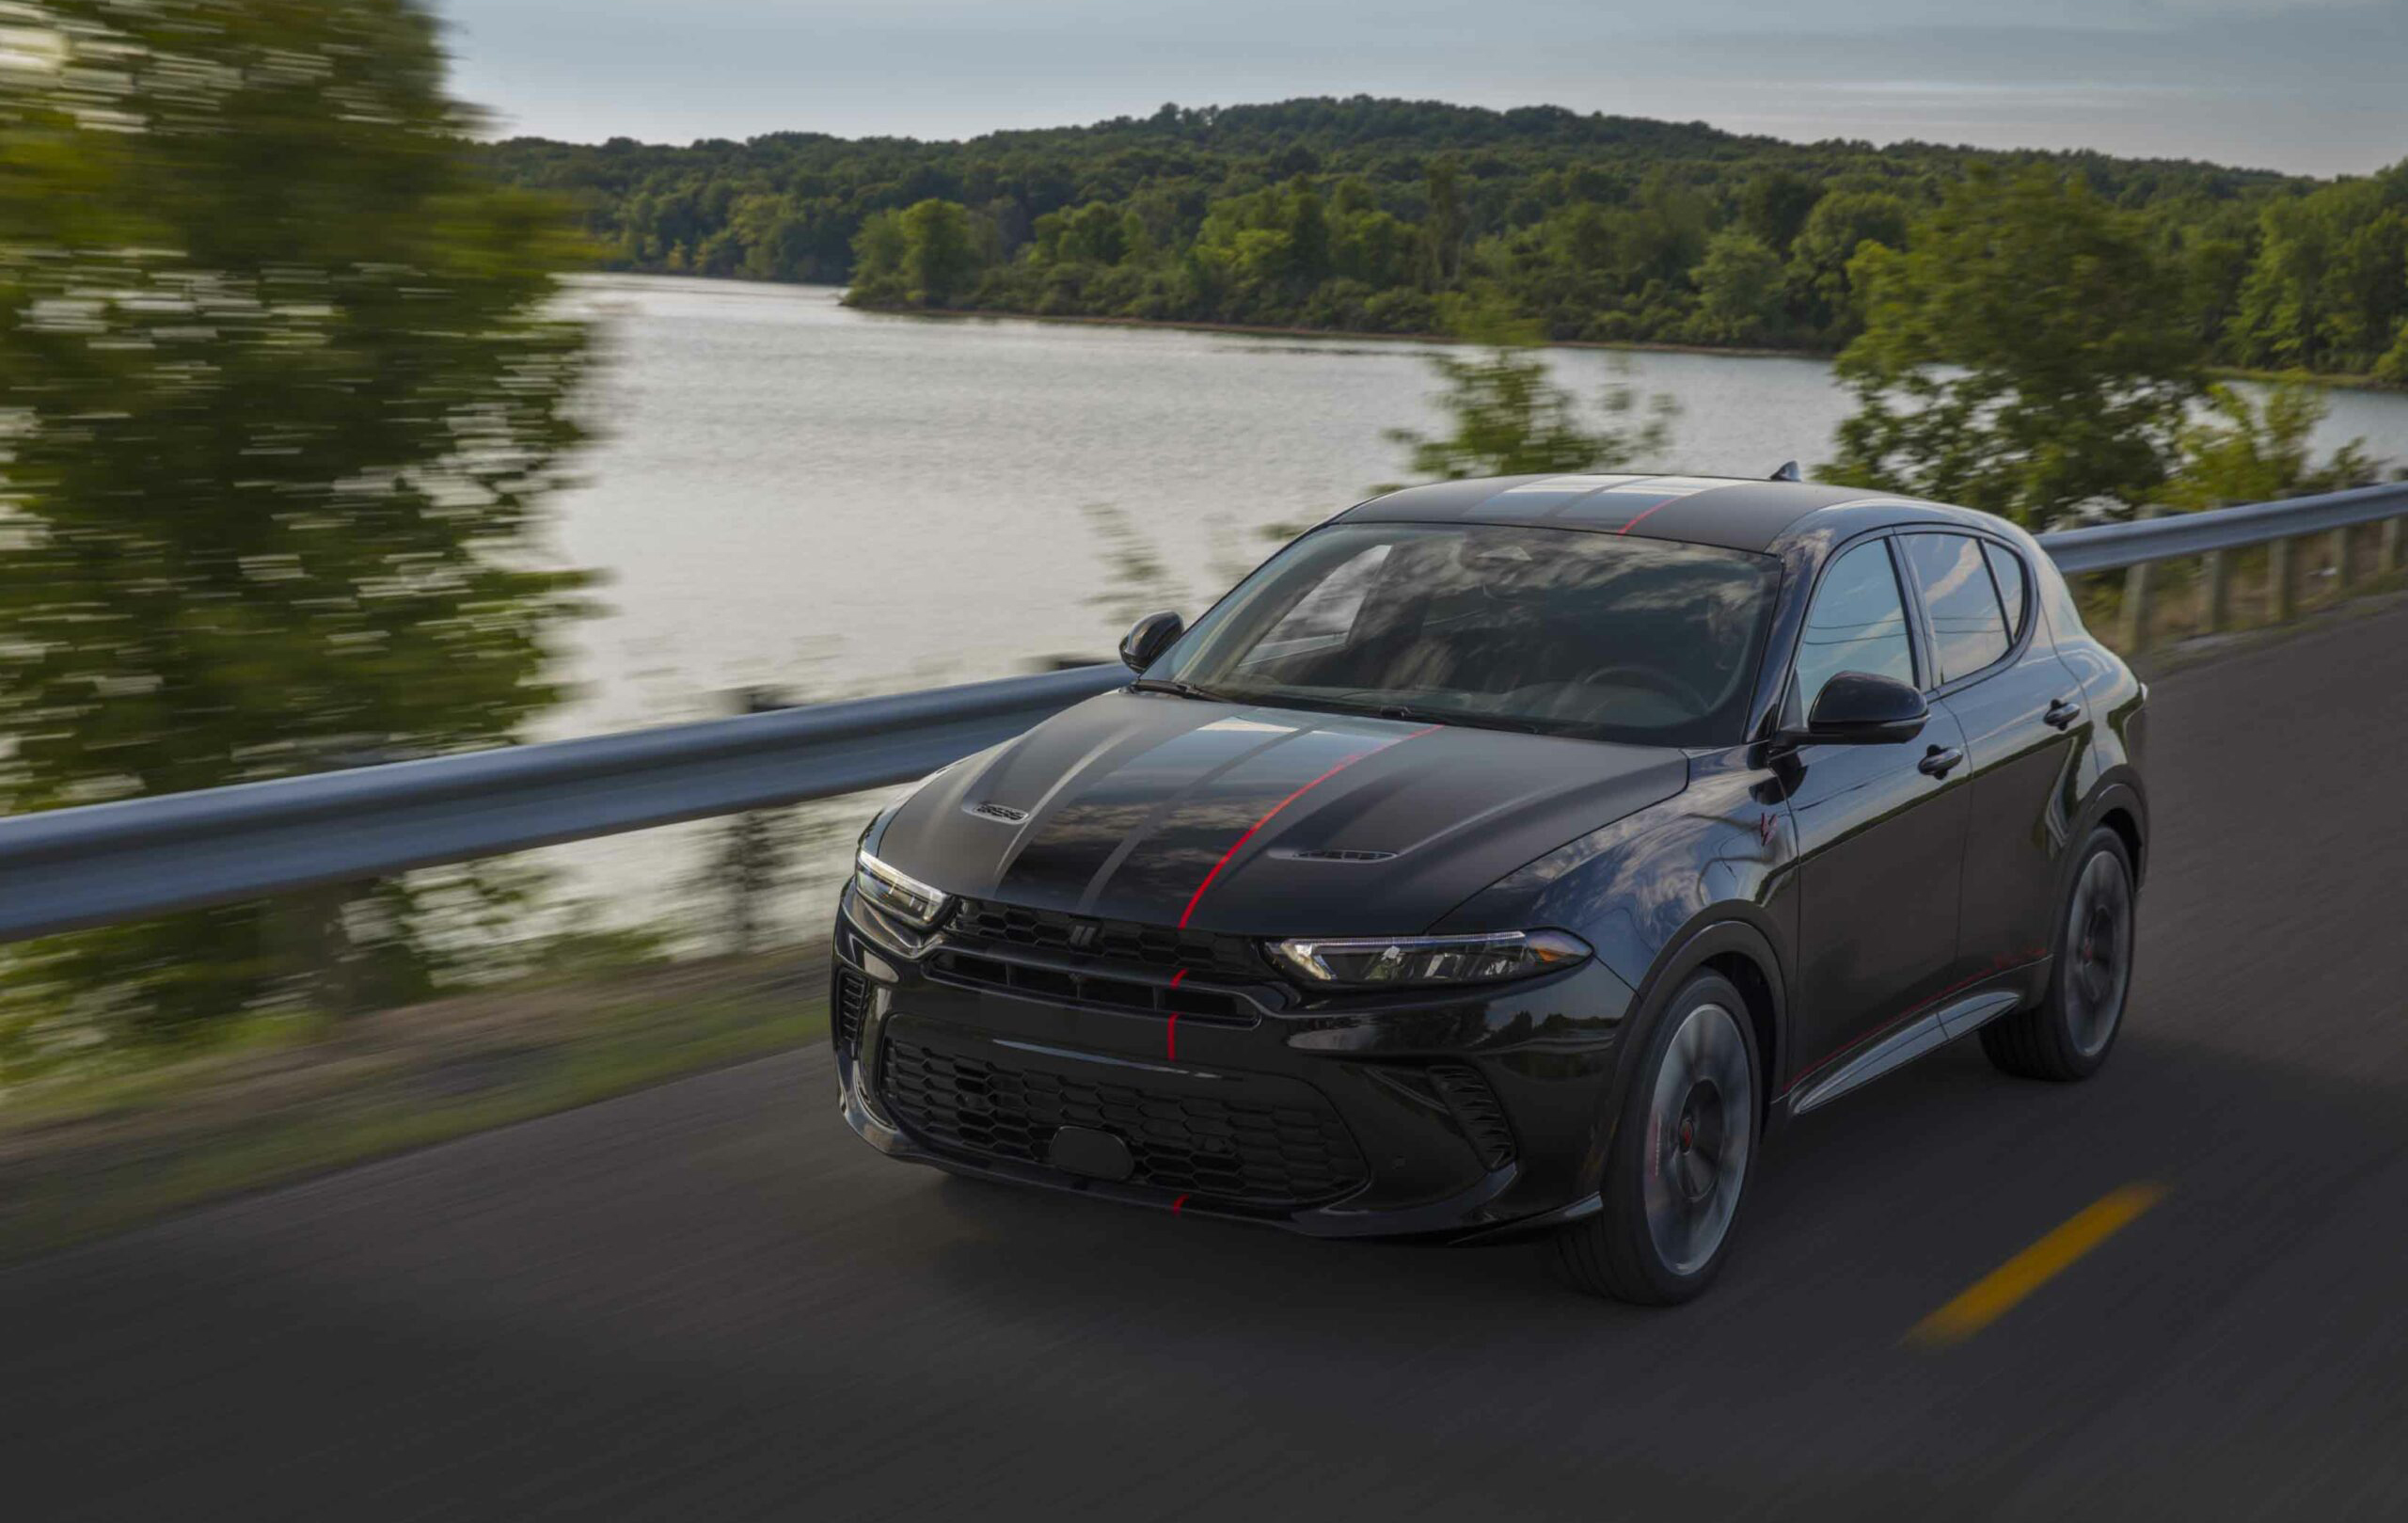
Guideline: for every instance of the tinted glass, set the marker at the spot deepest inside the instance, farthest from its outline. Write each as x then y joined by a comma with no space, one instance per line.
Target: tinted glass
1968,633
2007,567
1857,623
1565,632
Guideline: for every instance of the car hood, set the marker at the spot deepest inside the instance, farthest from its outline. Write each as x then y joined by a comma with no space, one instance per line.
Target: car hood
1260,821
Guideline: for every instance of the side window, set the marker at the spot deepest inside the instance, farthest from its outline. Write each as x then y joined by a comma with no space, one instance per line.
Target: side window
2007,567
1325,614
1857,623
1968,633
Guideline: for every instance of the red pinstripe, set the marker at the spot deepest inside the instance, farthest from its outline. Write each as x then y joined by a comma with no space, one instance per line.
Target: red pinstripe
1238,845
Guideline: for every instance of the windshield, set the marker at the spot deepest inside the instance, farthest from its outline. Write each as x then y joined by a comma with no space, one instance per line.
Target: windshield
1558,631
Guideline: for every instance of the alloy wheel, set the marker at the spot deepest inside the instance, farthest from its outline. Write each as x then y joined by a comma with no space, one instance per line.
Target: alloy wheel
2098,952
1701,1123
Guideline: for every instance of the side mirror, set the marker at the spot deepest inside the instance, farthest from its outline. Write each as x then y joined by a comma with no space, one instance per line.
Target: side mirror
1149,638
1856,708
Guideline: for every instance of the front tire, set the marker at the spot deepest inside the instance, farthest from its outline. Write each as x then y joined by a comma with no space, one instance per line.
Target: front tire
2069,1034
1683,1144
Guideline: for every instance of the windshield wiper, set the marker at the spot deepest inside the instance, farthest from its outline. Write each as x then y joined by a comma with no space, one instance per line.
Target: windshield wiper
1177,689
1446,715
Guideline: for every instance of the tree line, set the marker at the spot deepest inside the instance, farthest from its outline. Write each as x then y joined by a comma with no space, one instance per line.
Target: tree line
1379,215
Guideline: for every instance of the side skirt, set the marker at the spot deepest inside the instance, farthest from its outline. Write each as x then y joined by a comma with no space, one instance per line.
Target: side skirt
1936,1029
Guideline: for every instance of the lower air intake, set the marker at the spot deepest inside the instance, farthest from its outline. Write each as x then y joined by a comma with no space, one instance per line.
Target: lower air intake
847,1004
1476,1110
1281,1156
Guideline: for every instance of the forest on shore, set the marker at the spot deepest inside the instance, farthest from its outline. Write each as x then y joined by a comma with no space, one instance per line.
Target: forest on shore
1379,216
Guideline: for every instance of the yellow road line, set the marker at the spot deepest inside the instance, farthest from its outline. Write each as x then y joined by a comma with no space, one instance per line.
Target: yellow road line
1996,1293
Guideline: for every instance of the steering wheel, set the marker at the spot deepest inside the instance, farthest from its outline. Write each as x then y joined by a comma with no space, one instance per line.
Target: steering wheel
1649,678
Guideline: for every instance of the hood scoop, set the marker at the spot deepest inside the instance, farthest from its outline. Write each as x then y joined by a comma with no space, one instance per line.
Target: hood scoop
1333,855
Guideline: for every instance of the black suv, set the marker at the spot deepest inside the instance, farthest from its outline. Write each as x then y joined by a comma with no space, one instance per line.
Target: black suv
1513,856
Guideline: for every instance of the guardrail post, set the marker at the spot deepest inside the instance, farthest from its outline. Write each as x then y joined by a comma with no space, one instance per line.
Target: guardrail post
2281,593
2342,560
2139,600
2387,556
2215,609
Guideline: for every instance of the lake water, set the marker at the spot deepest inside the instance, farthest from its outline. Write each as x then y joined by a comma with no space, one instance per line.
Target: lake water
792,493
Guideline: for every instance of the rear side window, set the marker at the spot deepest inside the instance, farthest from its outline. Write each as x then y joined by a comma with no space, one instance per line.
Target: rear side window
1968,630
2007,567
1857,623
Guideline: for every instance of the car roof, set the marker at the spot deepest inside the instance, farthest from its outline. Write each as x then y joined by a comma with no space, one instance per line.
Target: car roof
1735,512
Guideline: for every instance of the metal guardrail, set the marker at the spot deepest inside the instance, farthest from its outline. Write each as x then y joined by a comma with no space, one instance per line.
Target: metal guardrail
2141,541
66,870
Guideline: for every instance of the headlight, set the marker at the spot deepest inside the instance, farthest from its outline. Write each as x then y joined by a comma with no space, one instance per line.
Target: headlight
1431,959
899,893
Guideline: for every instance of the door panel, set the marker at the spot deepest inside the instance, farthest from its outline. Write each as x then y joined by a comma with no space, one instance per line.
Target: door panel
1975,597
1882,857
1880,843
2022,782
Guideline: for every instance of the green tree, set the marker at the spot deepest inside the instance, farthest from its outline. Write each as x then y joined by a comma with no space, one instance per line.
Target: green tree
930,254
1738,284
2030,355
1774,206
940,255
2329,289
1510,419
878,250
1444,229
1840,224
287,381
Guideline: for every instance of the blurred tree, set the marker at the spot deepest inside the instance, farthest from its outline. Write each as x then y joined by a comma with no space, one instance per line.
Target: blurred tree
2030,355
285,380
2244,451
1510,419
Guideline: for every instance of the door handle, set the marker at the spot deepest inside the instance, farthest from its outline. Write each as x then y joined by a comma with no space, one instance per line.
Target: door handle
1940,763
2061,713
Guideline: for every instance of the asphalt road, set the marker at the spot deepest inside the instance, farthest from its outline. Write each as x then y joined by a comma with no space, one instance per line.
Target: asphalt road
708,1301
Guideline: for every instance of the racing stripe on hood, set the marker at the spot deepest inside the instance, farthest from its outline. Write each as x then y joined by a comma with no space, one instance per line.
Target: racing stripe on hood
1197,897
1149,830
1116,799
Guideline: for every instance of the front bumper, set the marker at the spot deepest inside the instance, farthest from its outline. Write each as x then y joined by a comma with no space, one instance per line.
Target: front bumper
1455,1114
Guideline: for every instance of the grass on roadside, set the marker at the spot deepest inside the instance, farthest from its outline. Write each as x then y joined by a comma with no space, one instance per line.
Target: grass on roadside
81,1160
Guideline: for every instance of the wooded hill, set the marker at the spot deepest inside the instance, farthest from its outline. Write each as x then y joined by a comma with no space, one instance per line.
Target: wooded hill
1370,214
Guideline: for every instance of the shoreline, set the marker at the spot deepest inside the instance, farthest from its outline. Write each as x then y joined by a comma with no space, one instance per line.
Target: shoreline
1278,330
2334,380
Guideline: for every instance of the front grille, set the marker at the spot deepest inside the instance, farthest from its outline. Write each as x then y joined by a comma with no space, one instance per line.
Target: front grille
1476,1110
1066,987
1160,947
847,1005
1272,1156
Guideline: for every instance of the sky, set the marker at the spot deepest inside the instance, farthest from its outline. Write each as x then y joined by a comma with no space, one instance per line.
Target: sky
2297,85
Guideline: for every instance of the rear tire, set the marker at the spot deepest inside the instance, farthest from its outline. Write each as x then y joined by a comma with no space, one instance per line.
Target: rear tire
2069,1034
1683,1144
